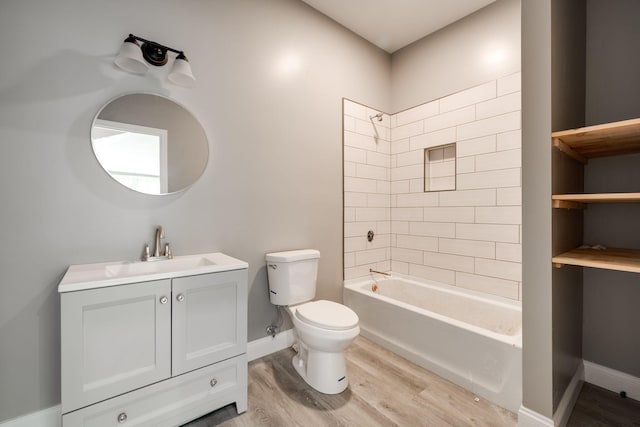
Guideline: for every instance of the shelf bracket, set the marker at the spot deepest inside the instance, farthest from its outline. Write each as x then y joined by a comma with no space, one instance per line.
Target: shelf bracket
558,265
569,151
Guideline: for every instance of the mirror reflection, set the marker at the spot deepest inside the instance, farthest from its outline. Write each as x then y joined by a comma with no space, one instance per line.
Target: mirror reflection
149,143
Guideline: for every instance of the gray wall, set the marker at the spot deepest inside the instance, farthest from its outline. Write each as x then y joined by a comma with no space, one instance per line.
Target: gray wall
537,377
457,57
611,315
553,45
567,106
613,66
270,79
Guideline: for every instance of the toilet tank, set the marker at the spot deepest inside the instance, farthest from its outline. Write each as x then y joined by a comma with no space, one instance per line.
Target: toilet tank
292,276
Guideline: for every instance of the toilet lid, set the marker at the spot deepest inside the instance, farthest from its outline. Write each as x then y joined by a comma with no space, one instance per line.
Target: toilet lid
327,315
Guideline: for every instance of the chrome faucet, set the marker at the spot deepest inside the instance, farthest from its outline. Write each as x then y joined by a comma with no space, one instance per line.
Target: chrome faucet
166,254
159,237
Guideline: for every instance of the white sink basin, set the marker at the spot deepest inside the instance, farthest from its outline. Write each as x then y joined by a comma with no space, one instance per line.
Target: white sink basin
89,276
126,268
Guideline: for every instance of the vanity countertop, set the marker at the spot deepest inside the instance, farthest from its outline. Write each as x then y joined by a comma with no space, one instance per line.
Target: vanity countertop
100,275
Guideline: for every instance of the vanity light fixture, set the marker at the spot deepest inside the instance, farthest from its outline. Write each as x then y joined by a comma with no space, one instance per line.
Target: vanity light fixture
134,57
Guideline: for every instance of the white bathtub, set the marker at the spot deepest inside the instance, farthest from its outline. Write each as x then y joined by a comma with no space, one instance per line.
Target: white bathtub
469,338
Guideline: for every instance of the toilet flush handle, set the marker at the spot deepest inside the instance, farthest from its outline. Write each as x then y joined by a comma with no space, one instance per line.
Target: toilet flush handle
274,266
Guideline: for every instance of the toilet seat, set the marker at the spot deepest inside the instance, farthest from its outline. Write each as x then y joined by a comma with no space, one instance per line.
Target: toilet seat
327,315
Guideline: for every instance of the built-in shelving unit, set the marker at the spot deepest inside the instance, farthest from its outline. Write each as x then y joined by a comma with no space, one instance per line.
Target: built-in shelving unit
610,139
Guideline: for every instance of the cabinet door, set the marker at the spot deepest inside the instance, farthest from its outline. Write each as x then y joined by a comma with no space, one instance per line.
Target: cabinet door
209,321
114,340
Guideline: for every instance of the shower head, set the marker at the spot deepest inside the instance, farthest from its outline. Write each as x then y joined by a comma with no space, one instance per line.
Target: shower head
377,116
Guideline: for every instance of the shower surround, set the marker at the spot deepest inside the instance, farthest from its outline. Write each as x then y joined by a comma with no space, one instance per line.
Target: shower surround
468,237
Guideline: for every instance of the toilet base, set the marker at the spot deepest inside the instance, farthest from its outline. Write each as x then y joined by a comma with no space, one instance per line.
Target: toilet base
325,372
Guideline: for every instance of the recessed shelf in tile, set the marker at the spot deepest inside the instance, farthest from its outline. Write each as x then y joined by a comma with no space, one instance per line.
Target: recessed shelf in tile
440,168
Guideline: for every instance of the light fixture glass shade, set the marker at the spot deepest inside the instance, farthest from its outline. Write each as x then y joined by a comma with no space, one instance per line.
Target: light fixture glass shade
130,58
181,72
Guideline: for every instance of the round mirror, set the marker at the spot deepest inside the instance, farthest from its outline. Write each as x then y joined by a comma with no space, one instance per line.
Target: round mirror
149,143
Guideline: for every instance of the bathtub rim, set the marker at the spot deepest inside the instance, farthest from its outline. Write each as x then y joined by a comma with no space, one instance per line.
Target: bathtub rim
359,285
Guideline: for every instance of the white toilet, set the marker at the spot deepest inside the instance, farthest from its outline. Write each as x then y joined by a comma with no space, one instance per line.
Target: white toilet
324,328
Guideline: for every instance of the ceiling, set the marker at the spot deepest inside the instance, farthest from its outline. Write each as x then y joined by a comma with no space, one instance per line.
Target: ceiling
393,24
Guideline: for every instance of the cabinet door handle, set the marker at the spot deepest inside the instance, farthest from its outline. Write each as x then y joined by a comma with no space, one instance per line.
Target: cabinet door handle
180,297
122,417
163,300
213,382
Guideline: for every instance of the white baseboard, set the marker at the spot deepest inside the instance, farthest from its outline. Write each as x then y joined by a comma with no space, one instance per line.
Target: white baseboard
50,417
568,401
589,372
612,380
267,345
530,418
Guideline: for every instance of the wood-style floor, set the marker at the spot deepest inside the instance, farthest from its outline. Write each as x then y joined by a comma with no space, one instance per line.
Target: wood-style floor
387,390
384,390
597,407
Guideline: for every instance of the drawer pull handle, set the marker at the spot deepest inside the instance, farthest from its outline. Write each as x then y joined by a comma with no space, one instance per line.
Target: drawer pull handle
213,382
180,297
122,417
163,300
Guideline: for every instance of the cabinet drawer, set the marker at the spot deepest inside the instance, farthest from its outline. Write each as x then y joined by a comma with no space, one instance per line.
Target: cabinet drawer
171,402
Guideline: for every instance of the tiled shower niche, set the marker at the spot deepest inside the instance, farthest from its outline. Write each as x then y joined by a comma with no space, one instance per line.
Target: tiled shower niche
440,168
468,235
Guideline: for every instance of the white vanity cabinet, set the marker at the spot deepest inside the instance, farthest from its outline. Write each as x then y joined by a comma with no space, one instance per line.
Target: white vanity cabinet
138,352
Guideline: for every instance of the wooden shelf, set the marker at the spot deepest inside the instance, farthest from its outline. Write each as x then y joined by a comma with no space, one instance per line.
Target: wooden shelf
609,259
610,139
577,201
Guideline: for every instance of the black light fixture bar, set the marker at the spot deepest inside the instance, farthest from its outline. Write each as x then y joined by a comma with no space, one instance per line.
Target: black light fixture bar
152,43
153,52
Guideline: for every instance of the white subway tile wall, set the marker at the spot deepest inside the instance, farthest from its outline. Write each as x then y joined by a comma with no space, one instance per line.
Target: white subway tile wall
367,189
470,237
